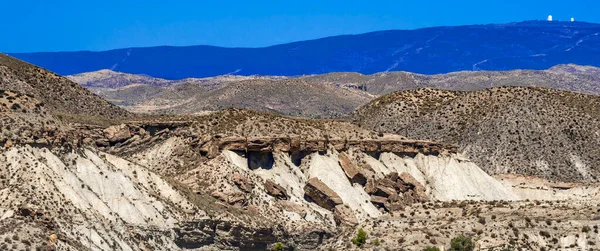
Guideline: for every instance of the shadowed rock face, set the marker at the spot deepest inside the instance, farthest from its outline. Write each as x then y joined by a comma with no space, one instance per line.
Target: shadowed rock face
321,145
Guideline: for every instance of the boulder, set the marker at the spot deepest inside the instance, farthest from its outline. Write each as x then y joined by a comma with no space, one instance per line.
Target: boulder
86,141
394,192
370,187
393,176
321,194
209,149
102,142
418,188
385,190
42,141
275,190
344,215
393,180
118,133
351,169
378,200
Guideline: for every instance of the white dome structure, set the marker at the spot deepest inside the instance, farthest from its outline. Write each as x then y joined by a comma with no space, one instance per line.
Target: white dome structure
550,18
572,19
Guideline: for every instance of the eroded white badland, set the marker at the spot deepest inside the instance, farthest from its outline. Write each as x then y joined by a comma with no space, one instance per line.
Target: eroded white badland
95,197
104,201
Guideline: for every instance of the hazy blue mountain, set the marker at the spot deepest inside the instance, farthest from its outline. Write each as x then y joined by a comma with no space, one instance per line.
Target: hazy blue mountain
524,45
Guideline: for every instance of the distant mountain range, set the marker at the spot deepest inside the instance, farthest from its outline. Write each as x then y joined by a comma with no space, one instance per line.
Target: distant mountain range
524,45
329,95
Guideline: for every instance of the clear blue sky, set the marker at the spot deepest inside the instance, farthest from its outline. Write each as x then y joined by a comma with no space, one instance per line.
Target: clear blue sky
61,25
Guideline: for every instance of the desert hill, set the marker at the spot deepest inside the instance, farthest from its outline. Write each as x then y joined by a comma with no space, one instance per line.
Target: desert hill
327,95
526,130
60,95
290,96
111,80
569,77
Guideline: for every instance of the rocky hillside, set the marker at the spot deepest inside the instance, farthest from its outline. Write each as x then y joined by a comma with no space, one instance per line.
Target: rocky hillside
575,78
59,94
111,79
523,130
24,119
293,97
234,179
327,95
539,225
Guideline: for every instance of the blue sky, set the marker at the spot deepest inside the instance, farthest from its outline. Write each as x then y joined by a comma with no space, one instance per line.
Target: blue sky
61,25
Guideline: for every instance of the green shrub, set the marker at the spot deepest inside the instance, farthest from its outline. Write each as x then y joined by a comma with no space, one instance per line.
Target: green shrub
278,247
461,243
431,249
376,242
360,239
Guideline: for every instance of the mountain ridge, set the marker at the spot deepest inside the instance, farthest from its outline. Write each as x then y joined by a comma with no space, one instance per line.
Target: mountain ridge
526,22
538,45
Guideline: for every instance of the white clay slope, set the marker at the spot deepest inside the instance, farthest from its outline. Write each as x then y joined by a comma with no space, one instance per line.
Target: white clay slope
449,178
327,169
105,195
444,177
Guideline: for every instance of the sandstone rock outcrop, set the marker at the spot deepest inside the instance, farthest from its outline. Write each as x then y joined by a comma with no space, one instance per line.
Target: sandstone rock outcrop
321,194
414,186
276,190
394,192
118,133
290,144
351,170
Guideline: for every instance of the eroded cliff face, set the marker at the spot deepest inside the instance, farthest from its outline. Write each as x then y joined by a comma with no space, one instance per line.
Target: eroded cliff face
246,198
327,185
331,190
84,199
223,184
